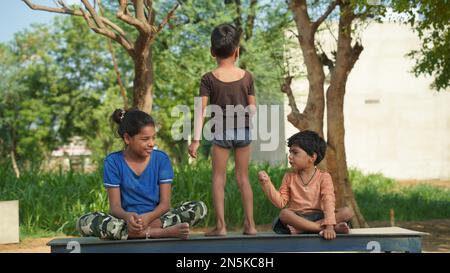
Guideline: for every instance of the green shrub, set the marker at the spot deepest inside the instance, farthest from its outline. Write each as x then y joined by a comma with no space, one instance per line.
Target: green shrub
51,202
376,195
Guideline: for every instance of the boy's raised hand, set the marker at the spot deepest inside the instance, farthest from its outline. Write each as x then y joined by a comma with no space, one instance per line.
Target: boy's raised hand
192,150
263,177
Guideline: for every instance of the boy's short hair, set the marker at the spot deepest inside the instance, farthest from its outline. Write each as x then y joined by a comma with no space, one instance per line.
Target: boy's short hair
310,142
224,40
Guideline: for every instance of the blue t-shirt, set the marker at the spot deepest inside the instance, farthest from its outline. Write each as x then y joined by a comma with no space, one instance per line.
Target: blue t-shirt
138,194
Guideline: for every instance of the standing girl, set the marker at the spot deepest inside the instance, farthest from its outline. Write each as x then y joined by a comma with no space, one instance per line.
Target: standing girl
228,87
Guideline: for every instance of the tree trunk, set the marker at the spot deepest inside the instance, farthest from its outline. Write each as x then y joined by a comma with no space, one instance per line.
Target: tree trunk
312,117
143,75
313,114
336,158
13,153
14,164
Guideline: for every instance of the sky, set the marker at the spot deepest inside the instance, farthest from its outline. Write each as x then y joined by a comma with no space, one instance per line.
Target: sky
15,15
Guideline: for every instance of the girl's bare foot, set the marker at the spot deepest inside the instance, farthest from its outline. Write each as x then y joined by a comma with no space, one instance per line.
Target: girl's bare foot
217,232
177,231
342,228
249,227
294,230
250,231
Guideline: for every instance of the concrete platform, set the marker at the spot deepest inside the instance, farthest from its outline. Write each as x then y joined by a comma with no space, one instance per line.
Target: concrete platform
390,239
9,222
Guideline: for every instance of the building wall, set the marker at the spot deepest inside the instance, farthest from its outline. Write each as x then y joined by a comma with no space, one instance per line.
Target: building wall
395,123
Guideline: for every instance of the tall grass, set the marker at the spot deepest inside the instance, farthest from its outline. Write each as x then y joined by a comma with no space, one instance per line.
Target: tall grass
51,202
376,195
193,182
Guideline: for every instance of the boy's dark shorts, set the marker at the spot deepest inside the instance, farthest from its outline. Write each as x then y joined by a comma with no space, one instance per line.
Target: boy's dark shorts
280,228
233,138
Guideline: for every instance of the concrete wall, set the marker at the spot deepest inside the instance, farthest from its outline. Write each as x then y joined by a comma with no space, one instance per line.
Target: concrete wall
395,123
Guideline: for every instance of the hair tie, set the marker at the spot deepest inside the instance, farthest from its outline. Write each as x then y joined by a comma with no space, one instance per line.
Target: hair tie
122,115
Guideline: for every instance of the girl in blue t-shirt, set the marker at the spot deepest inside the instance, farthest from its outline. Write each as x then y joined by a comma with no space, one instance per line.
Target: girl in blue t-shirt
138,181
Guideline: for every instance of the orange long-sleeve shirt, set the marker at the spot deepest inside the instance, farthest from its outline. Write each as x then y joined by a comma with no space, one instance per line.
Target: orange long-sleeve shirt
318,194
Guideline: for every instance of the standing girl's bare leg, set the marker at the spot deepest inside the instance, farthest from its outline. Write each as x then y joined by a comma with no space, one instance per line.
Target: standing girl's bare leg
219,177
242,158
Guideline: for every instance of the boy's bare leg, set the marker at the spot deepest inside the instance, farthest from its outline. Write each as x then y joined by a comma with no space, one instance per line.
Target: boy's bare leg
219,169
288,217
242,158
343,215
293,230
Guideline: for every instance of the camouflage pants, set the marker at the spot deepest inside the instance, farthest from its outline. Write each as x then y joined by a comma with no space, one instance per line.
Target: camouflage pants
106,226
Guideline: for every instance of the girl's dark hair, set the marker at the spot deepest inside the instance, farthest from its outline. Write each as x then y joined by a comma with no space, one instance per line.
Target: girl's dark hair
310,142
131,121
224,40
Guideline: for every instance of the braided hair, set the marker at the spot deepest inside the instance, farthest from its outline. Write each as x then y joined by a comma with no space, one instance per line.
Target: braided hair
131,121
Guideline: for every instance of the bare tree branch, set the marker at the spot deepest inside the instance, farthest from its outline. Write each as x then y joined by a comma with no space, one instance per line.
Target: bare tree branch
367,13
93,13
324,16
168,17
293,33
62,3
123,90
295,117
108,33
250,20
139,10
165,21
150,12
302,20
326,61
286,88
238,19
122,14
355,52
64,9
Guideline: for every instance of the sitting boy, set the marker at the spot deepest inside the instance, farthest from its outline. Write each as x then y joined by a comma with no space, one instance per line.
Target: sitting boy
307,191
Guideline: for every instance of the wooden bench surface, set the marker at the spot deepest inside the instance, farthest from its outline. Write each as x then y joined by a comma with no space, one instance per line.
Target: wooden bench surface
364,239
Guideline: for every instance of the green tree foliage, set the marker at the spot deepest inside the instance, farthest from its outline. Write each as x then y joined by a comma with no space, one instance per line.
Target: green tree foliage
59,80
54,77
431,20
26,70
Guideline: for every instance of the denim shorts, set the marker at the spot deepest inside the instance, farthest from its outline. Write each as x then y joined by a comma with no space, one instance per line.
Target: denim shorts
233,138
280,228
